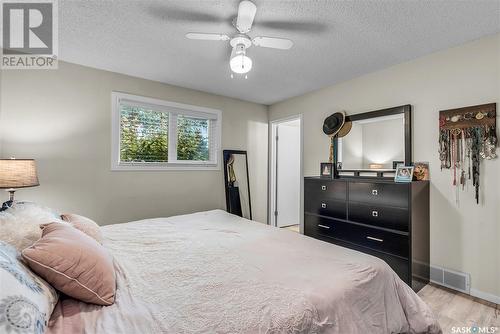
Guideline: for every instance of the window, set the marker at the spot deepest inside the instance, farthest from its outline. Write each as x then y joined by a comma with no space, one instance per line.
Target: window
151,134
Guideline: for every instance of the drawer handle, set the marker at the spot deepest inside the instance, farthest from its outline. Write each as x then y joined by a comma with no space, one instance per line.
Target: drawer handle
323,205
323,188
375,213
374,192
324,226
375,239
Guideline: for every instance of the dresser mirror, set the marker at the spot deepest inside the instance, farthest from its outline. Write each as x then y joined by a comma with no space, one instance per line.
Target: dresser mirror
236,183
378,140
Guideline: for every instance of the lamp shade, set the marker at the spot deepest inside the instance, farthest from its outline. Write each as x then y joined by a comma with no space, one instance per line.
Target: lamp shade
18,173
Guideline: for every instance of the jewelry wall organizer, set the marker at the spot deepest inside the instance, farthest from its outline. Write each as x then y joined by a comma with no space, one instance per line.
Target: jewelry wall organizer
466,137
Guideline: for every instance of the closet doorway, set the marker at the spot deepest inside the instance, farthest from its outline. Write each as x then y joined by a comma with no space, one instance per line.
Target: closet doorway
286,195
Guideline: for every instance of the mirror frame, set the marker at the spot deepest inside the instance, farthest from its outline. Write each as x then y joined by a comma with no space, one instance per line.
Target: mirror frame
406,111
226,154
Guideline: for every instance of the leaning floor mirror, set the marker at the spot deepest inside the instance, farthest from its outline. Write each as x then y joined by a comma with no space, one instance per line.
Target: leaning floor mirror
236,183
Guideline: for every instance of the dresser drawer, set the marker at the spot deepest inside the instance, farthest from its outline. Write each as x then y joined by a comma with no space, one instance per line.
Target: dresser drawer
387,194
384,241
326,207
317,189
372,238
388,217
316,226
399,265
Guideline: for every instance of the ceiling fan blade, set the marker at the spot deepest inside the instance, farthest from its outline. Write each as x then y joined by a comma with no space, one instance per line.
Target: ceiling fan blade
207,37
273,42
168,14
246,14
315,27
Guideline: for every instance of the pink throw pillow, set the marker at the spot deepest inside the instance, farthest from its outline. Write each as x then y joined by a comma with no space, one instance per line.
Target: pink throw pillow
73,263
84,224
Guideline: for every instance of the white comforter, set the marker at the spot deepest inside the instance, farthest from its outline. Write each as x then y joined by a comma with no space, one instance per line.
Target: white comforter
212,272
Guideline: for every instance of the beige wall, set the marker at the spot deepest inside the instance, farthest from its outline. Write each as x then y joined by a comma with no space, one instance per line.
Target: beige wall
464,237
62,118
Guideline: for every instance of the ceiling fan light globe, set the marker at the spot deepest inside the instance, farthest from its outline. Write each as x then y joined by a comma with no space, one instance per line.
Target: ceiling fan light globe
240,64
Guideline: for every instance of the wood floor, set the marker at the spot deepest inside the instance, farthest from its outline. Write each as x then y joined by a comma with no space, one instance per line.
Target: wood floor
455,309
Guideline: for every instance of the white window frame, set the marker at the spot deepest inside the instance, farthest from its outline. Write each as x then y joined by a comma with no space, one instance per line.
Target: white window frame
174,109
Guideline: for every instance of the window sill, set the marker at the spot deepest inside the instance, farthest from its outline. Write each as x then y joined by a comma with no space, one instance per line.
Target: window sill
177,166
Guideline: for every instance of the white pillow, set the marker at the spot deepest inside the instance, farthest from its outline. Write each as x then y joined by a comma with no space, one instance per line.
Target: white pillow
20,225
26,300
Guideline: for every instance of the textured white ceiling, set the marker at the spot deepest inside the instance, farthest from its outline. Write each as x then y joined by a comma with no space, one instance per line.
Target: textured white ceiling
334,40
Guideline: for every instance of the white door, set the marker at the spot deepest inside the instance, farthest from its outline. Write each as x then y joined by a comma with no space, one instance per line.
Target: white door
288,173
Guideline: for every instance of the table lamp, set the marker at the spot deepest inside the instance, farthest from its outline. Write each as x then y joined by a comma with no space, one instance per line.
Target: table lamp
14,174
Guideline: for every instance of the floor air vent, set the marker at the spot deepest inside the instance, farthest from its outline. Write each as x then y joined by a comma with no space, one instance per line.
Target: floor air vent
451,279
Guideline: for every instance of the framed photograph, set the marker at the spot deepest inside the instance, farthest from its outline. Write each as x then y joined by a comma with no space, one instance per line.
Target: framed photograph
404,174
421,171
397,163
326,169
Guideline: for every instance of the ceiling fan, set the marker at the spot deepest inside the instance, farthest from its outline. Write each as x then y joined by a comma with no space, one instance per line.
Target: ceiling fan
239,62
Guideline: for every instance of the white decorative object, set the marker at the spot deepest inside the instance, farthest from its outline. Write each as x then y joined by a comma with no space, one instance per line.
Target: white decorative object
26,300
20,224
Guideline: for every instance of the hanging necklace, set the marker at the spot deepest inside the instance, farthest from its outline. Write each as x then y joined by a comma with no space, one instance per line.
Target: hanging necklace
442,148
462,159
445,148
455,153
476,148
469,147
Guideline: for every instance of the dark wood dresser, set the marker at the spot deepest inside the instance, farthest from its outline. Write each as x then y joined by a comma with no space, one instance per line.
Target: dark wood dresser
378,217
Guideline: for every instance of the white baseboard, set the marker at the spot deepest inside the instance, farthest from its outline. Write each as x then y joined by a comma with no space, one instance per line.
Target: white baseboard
474,293
486,296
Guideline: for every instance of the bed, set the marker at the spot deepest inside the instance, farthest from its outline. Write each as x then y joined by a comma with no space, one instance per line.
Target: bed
213,272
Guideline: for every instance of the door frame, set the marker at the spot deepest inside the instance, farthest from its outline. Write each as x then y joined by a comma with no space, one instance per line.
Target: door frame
273,168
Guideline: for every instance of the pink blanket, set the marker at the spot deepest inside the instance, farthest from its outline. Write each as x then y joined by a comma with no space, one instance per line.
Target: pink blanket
211,272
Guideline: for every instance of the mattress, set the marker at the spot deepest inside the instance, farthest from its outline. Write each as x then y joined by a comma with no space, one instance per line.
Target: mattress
213,272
